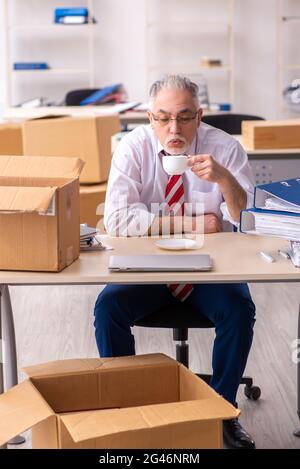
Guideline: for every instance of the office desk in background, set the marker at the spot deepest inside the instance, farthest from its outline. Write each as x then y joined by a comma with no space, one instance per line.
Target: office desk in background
267,165
272,165
127,118
236,259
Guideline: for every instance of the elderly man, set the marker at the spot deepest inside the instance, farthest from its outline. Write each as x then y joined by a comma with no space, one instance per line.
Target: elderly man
220,178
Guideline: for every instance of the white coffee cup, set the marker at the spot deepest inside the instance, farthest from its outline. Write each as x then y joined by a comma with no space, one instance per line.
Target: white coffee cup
174,164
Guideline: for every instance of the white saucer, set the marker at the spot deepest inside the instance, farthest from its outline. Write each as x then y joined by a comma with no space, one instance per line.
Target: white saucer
176,244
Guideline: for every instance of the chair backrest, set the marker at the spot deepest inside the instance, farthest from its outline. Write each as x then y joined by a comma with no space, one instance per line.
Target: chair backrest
230,123
74,97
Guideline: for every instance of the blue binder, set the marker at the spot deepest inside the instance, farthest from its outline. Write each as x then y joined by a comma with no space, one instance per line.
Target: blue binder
98,95
276,223
287,192
30,66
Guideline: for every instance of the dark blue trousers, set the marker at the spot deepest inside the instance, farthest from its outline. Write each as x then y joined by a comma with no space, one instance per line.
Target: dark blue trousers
228,306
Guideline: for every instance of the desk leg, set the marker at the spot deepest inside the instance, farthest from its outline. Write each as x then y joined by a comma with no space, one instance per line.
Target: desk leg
297,432
1,354
8,334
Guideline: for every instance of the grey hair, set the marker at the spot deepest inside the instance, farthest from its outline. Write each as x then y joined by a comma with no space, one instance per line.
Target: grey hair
174,81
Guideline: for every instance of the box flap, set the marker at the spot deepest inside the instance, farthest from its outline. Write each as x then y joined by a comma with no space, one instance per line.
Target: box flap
40,166
21,407
62,367
26,199
96,424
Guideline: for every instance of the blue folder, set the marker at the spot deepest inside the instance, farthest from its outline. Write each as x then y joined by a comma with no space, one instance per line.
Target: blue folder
98,95
286,225
286,191
61,12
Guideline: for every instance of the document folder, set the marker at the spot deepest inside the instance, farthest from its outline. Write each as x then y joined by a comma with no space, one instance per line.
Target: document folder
281,196
270,223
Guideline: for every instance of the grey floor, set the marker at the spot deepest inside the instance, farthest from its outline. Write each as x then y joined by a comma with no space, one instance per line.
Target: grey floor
56,323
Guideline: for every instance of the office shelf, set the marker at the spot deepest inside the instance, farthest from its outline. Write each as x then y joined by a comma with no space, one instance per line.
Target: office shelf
68,49
53,71
175,38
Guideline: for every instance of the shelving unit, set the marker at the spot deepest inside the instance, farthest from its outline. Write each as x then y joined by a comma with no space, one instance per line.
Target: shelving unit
288,37
69,50
177,36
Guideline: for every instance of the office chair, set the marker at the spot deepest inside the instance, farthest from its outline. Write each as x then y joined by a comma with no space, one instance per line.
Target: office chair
180,318
230,123
74,97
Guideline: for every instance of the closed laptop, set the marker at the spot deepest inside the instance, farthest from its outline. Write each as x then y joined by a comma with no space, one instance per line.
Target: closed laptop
161,263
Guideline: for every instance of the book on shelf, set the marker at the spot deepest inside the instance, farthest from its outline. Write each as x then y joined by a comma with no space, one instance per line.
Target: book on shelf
71,15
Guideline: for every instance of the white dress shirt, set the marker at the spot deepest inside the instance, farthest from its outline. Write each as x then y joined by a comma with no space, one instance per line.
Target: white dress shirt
137,180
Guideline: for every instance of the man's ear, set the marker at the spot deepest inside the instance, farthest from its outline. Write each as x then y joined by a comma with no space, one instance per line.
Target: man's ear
199,117
149,115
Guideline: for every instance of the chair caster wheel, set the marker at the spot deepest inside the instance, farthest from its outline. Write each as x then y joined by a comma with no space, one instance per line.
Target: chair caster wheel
252,392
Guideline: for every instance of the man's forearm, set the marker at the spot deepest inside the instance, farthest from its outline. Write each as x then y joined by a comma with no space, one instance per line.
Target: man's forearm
234,195
167,225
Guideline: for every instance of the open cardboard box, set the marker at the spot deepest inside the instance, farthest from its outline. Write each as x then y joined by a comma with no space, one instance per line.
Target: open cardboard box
145,401
39,212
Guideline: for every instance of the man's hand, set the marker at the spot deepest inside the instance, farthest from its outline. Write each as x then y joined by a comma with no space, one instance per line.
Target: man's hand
211,223
208,223
206,168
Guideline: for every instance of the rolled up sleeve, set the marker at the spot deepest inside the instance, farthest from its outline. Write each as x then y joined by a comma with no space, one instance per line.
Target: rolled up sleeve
124,213
239,167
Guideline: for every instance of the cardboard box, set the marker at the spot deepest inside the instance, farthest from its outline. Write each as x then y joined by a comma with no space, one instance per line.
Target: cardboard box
39,212
262,135
11,141
145,401
91,198
88,138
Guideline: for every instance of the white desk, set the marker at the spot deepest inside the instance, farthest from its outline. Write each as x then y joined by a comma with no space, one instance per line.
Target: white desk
236,259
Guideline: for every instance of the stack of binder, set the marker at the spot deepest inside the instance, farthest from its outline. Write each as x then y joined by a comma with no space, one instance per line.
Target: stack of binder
276,212
89,240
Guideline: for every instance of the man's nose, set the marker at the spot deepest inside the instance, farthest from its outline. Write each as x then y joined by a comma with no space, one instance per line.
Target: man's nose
173,126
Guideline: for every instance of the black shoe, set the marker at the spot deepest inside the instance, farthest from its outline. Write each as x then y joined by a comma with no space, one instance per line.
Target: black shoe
235,436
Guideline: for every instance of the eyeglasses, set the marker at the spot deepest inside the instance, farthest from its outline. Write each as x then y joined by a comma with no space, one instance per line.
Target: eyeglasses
183,118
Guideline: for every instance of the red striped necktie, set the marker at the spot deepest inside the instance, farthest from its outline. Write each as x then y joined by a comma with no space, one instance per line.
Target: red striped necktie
175,199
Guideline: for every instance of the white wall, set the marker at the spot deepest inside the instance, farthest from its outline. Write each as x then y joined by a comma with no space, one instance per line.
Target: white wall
120,49
2,57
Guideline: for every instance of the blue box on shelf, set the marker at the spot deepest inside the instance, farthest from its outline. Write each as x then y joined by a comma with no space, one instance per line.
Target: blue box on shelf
30,66
78,15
